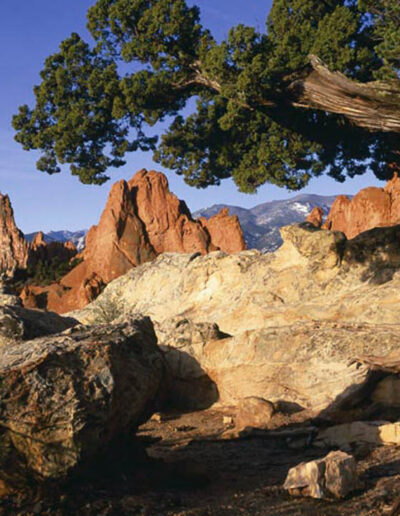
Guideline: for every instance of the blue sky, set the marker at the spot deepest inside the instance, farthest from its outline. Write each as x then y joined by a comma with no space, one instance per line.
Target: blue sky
29,32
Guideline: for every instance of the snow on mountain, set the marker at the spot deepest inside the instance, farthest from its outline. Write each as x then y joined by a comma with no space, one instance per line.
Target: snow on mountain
261,224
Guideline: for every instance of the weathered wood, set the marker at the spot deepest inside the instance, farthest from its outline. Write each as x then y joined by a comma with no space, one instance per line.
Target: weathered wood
373,105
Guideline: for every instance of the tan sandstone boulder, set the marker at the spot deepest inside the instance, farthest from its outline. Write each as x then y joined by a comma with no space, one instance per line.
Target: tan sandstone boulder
334,476
305,367
253,412
306,364
317,275
358,433
289,322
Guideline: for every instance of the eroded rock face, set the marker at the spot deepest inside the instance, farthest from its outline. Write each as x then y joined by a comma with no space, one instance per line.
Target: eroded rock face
315,217
114,246
183,343
289,323
316,275
141,220
225,231
118,242
167,220
66,398
371,207
306,364
303,366
13,247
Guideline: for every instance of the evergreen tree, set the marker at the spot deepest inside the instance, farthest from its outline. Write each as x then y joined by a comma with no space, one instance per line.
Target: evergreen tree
265,111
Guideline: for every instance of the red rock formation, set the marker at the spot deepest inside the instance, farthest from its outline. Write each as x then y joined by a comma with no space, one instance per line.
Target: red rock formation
41,251
13,247
315,217
225,231
114,246
142,219
168,222
74,291
38,241
29,297
370,208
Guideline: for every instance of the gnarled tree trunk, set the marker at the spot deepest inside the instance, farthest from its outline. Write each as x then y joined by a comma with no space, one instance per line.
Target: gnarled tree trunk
374,106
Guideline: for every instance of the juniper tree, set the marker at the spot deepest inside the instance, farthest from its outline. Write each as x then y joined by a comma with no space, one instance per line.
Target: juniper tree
317,91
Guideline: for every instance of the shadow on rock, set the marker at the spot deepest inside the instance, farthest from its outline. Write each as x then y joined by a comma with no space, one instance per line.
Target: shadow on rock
190,388
379,250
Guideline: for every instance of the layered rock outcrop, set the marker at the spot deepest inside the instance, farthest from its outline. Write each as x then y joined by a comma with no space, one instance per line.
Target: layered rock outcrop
13,247
289,322
141,220
301,331
315,275
371,207
67,398
301,366
304,364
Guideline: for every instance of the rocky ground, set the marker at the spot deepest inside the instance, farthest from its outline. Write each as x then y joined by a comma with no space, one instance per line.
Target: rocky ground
301,345
193,471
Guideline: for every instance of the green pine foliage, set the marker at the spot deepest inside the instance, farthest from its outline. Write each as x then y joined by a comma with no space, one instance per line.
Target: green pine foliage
149,58
44,272
385,23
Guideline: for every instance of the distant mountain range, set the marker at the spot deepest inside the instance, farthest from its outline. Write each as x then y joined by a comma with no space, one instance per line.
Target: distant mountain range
77,237
260,224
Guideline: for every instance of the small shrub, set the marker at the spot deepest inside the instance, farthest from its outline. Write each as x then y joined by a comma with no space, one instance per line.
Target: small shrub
105,311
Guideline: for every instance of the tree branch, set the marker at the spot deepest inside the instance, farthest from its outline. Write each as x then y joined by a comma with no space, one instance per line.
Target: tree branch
374,105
